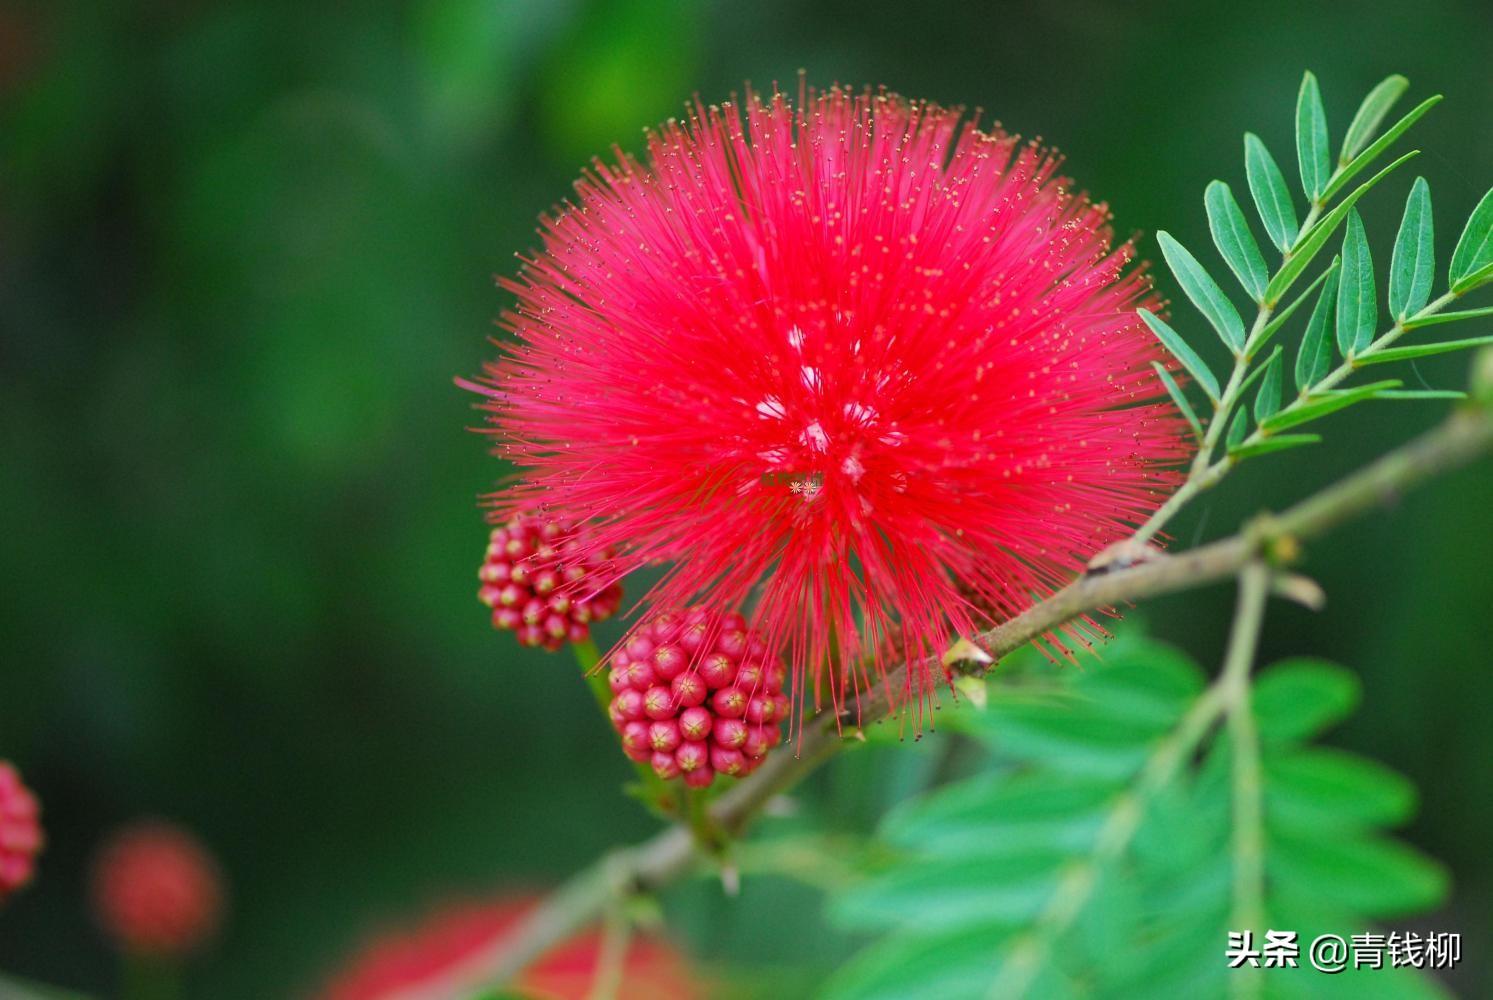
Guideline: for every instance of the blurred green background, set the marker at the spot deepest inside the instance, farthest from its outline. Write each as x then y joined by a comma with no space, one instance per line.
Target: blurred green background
244,247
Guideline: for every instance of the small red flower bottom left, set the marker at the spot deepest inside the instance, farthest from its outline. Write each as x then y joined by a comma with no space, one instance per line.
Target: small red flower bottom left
157,890
20,831
442,956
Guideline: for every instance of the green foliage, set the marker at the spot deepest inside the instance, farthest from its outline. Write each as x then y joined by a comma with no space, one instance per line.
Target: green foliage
1271,196
1093,853
1178,397
1370,114
1347,310
1236,244
1183,352
1357,302
1267,400
1204,292
1413,265
1311,139
1472,261
1314,357
1351,169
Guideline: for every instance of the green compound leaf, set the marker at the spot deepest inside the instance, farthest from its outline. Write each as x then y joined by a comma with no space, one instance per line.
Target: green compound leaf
1267,186
1173,342
1422,350
1412,268
1311,242
1472,261
1379,145
1357,302
1279,443
1370,114
1179,398
1267,400
1314,359
1235,242
1203,291
1311,139
1025,879
1317,406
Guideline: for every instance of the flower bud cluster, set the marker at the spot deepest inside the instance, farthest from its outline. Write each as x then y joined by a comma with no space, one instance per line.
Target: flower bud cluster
695,694
541,586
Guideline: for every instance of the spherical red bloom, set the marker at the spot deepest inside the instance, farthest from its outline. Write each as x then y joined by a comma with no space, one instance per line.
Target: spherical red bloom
20,831
702,722
882,365
443,954
544,583
156,890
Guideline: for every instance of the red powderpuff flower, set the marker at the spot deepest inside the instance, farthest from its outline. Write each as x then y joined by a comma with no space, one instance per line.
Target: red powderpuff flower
156,890
443,957
541,581
20,831
882,365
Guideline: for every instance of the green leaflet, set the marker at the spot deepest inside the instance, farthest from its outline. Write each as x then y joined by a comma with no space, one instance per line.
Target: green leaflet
1370,114
1317,787
1413,265
1421,394
1311,139
1175,391
1267,186
1280,442
1448,317
1238,429
1316,407
1295,699
1472,260
1357,302
1180,349
1367,875
1314,358
1422,350
1203,291
1267,400
1379,145
1235,243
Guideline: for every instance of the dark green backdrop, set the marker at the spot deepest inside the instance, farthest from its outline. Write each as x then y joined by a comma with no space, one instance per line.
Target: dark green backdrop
244,247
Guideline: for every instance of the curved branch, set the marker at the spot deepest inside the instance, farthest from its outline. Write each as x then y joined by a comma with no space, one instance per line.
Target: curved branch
1463,437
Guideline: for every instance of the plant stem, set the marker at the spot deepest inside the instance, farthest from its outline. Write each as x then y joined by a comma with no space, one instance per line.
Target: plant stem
1248,807
1466,435
611,962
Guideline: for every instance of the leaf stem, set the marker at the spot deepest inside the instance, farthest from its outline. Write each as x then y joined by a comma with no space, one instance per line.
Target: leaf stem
1248,806
611,960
